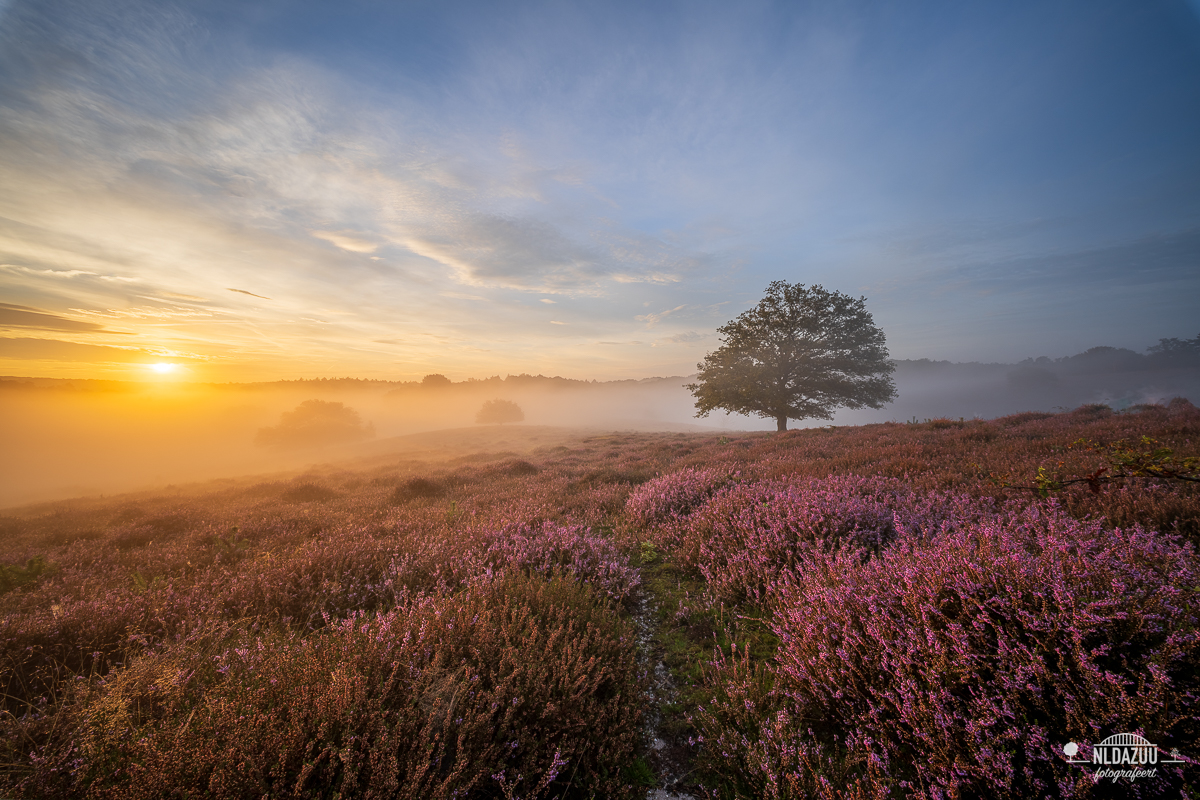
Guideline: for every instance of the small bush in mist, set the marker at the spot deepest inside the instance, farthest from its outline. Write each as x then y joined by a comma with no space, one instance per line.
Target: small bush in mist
1180,405
436,381
1092,411
497,412
315,423
517,467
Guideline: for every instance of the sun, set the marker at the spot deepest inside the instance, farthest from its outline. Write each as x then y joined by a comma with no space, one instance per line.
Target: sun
163,369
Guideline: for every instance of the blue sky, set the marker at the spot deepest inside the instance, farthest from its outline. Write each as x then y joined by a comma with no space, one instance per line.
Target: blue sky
260,190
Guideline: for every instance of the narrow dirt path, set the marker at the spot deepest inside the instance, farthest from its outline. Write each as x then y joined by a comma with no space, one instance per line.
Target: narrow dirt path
667,758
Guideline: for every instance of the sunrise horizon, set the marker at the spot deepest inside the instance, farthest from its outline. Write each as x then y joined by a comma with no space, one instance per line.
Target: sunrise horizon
564,400
276,190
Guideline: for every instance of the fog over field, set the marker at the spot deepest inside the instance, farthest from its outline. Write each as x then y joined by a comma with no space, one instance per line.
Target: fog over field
95,437
573,400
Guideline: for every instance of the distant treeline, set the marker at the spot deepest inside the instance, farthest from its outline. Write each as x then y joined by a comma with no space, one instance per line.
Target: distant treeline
1168,354
334,384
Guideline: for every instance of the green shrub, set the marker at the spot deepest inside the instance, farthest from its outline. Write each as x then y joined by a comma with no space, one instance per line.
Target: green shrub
14,577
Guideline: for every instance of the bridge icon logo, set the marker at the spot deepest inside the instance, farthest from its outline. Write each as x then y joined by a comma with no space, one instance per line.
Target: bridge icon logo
1122,755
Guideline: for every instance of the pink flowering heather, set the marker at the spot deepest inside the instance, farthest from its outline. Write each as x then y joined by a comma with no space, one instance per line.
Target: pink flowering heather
670,497
747,536
521,687
239,639
960,664
574,550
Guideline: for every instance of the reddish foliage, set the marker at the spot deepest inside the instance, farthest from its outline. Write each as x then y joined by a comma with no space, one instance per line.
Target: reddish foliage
959,664
936,632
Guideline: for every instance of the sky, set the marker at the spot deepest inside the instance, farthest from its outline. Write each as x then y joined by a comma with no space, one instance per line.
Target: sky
267,189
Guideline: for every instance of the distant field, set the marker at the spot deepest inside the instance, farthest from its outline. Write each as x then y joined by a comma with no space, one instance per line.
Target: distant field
534,611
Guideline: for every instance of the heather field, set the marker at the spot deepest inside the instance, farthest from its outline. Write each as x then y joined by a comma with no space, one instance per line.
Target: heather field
930,609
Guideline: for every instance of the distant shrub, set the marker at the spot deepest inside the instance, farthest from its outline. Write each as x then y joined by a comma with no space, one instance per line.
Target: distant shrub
1180,405
497,412
1092,411
316,423
517,467
436,381
308,493
958,665
1145,408
1175,352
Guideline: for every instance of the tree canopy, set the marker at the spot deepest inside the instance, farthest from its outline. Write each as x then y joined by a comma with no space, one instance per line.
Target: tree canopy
498,412
316,423
799,354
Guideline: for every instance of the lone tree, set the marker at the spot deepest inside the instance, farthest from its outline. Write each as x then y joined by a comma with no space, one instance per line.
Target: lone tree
315,423
799,354
499,412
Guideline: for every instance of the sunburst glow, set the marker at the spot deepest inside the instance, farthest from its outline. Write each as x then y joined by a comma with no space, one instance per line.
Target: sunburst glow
163,368
279,204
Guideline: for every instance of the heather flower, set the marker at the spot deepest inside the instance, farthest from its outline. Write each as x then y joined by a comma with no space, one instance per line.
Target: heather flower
550,549
748,537
670,497
954,663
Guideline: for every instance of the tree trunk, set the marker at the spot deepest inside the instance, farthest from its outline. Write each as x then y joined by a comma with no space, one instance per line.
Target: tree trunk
781,423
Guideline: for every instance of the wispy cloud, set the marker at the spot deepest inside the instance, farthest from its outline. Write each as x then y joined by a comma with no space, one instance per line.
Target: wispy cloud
252,294
687,337
153,161
653,319
527,254
13,316
147,312
59,350
348,240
